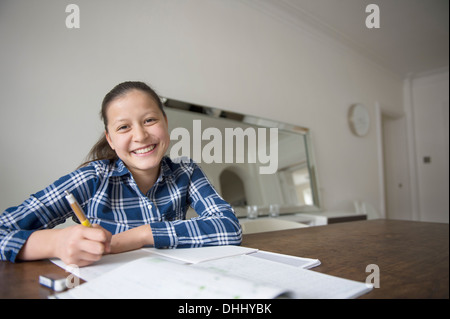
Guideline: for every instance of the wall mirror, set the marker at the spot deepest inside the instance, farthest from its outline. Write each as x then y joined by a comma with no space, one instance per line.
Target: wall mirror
265,162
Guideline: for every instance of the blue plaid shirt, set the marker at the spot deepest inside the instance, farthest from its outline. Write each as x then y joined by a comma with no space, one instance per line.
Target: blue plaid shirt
111,198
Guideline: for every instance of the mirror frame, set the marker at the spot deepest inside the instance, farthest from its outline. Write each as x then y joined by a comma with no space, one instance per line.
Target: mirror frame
266,123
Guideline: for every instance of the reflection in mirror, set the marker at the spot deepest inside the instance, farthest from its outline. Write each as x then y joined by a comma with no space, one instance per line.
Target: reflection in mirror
249,160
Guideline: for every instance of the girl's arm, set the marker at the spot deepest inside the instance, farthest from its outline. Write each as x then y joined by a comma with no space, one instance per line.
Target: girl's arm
216,224
132,239
78,245
43,211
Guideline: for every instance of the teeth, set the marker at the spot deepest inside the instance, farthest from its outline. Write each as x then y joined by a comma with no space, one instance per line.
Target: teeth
144,150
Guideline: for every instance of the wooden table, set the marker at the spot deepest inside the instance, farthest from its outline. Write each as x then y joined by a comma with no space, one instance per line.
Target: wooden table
412,257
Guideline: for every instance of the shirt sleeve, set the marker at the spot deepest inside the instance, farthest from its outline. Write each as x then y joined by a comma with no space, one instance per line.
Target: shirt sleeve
216,224
43,210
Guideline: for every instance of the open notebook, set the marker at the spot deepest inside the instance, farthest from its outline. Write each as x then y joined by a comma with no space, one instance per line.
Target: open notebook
182,256
233,272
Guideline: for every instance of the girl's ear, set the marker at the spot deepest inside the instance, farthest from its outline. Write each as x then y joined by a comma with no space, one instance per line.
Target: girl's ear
108,138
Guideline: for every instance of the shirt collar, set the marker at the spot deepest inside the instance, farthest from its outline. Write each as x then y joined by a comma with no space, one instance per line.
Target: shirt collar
119,169
166,171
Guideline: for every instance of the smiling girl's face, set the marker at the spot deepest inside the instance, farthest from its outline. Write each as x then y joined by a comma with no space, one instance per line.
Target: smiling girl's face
137,131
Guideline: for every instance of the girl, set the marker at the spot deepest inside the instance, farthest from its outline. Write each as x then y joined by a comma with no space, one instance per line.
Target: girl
133,194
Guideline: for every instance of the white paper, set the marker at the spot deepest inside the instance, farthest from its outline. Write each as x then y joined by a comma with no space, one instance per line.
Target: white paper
201,254
218,272
306,263
182,255
233,277
303,283
159,278
104,265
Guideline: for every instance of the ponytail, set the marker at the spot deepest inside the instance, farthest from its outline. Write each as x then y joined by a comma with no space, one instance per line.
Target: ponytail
100,151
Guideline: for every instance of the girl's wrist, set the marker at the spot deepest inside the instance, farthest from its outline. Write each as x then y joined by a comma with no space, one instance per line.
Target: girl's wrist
132,239
146,235
41,244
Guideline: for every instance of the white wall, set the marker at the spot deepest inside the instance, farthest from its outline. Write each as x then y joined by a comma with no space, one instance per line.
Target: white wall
210,52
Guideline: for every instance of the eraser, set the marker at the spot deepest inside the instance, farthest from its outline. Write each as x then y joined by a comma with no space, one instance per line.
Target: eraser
53,281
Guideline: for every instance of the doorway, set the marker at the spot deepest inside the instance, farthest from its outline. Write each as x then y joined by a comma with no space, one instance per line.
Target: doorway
232,188
395,181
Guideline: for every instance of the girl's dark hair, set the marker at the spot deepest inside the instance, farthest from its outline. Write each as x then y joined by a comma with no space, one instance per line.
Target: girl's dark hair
101,150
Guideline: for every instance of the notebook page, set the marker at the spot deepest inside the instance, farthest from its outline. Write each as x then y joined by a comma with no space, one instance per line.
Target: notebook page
301,262
201,254
181,255
104,265
303,283
153,277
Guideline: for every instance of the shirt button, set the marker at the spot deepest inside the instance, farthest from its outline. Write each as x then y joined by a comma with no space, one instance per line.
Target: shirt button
150,206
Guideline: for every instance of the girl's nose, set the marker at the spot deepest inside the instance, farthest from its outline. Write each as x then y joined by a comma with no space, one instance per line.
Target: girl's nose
140,134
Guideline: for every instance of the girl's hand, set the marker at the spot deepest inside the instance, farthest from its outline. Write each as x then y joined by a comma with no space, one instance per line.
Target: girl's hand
82,245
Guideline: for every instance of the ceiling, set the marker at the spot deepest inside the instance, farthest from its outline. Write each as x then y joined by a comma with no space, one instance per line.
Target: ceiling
413,36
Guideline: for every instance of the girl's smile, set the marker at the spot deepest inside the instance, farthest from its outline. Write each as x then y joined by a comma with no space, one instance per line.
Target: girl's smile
145,150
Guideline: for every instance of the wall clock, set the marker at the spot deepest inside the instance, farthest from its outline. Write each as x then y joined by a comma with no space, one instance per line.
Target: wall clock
359,119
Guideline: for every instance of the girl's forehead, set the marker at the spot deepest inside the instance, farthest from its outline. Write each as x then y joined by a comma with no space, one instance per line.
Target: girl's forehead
135,101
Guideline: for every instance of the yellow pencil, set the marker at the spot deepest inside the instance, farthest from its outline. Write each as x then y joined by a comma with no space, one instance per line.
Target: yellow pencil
77,210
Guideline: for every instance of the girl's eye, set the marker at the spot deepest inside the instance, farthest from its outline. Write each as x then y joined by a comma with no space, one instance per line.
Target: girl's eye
148,121
123,127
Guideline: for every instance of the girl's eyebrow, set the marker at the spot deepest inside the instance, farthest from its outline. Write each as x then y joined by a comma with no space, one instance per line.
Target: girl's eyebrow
149,113
119,121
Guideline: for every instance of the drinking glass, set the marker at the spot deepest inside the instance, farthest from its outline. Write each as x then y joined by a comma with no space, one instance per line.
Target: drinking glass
252,211
274,210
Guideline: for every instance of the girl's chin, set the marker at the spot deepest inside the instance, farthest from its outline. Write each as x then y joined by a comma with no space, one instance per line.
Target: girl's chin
143,163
